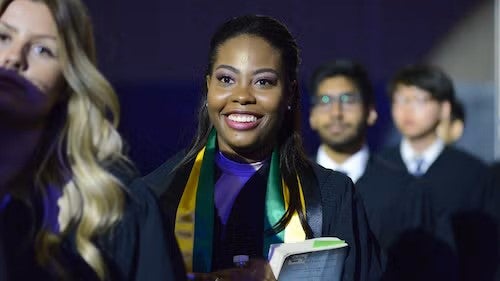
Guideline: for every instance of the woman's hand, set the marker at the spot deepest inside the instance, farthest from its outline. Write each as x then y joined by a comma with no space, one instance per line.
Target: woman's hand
255,270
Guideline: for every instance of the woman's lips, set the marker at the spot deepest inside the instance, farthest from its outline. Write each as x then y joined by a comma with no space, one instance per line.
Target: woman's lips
242,121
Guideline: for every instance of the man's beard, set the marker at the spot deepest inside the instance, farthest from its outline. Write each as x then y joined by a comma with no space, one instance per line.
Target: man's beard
349,143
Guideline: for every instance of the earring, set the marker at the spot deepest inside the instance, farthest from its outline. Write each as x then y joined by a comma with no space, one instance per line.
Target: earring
289,107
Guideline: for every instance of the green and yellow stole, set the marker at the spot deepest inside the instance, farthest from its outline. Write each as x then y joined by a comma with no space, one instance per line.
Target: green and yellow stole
194,223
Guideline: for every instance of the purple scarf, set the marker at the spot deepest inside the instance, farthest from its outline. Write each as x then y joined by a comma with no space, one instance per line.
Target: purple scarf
24,110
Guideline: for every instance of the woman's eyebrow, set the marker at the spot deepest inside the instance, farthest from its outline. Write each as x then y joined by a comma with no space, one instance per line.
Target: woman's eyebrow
37,36
225,66
263,70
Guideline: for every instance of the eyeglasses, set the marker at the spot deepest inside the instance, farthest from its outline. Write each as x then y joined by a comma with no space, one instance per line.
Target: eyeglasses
347,101
414,101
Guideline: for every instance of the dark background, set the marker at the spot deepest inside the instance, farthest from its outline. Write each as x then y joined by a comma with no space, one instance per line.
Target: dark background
155,53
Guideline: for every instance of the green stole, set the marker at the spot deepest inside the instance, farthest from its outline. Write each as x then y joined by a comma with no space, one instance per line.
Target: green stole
194,223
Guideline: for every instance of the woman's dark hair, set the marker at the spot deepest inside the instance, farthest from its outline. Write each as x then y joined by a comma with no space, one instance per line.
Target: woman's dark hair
292,156
426,77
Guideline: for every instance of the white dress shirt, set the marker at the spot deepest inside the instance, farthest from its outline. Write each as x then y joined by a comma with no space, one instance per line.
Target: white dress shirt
354,166
411,157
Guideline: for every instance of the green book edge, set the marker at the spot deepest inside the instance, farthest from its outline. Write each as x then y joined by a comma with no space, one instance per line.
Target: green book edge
323,243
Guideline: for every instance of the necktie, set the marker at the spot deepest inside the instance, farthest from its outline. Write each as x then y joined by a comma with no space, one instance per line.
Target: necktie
419,167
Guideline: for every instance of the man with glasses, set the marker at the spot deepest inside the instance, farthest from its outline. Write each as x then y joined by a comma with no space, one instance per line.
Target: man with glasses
343,107
461,186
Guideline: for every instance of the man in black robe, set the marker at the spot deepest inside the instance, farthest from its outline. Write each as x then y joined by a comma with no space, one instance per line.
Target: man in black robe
343,107
461,190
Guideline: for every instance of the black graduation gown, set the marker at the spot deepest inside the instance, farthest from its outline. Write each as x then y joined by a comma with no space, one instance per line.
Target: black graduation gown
461,190
394,202
333,208
136,249
396,207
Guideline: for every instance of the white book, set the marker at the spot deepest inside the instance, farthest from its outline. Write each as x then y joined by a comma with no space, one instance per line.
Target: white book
317,259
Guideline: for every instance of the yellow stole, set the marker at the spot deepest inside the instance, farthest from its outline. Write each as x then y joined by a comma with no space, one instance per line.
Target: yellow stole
194,218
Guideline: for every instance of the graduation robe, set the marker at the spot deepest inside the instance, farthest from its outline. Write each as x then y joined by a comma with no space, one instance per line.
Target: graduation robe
461,191
333,208
137,248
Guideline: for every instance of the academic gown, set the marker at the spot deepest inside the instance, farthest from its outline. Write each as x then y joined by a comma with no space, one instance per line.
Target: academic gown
394,202
333,208
461,191
138,248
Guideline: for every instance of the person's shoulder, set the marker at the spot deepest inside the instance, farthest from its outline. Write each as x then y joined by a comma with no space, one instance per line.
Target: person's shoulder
390,160
463,163
457,155
140,204
390,153
123,170
137,245
330,180
164,170
141,192
382,163
461,168
495,170
312,156
158,179
384,169
139,196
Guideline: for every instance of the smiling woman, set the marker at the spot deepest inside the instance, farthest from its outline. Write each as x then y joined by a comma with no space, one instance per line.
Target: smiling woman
65,213
245,182
246,98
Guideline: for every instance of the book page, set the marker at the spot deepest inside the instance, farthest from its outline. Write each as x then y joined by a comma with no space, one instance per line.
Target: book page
314,266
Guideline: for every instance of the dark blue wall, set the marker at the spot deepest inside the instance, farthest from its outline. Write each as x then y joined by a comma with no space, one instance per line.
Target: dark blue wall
154,52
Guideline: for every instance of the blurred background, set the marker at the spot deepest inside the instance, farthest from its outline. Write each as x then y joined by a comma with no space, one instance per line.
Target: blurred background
155,53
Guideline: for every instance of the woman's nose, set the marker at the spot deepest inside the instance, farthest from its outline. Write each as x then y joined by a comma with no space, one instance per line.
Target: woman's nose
13,58
243,94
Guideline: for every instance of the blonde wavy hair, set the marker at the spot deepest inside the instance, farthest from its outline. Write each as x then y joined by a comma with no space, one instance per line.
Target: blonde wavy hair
86,144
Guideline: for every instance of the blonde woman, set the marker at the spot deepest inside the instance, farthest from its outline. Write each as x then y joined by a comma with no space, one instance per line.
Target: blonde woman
64,212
